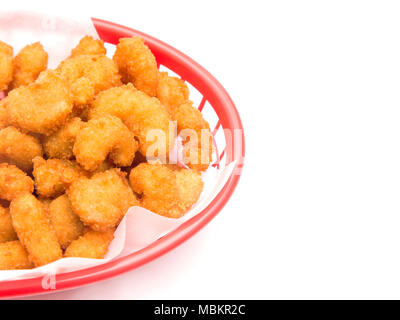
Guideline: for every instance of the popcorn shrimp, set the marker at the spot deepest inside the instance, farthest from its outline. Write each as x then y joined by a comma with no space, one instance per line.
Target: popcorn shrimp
3,115
89,46
92,244
13,256
171,91
6,65
7,232
137,64
13,182
102,137
102,201
34,231
19,148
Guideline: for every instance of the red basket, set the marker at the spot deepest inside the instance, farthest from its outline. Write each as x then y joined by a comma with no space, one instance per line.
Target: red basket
228,119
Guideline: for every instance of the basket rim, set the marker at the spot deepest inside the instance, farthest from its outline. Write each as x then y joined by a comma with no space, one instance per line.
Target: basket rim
69,280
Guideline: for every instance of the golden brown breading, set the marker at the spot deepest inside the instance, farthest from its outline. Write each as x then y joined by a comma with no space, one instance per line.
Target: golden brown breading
88,75
89,46
102,137
53,176
13,256
92,244
28,64
171,91
165,191
102,201
6,65
19,148
40,107
13,182
137,64
34,231
190,121
3,114
65,222
7,232
60,144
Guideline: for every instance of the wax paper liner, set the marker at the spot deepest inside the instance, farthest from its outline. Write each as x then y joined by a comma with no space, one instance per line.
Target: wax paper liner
140,227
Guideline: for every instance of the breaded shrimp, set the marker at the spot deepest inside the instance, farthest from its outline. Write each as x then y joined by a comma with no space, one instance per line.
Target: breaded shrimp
13,182
87,75
171,91
165,191
3,114
92,244
137,64
40,107
102,201
65,222
19,148
13,256
53,176
7,232
60,144
6,65
102,137
34,231
89,46
143,115
28,64
190,121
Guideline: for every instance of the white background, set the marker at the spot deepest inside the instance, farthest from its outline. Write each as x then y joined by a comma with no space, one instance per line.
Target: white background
317,211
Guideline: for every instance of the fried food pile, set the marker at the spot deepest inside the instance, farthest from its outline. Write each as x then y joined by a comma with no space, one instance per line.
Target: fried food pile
81,144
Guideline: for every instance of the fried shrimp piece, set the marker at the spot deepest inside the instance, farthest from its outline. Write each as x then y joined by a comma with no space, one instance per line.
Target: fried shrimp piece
13,256
137,64
34,231
92,244
143,115
197,137
102,201
7,232
87,75
19,148
60,144
40,107
102,137
3,114
6,65
165,191
13,182
89,46
28,64
171,91
53,176
65,222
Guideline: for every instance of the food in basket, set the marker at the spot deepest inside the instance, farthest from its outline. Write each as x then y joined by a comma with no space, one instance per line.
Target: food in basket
81,144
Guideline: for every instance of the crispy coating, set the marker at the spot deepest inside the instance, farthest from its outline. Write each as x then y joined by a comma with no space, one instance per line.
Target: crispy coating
190,121
142,114
165,191
13,256
65,222
137,64
3,114
34,231
53,176
102,201
87,75
89,46
171,91
60,144
92,244
102,137
40,107
6,65
28,64
7,232
19,148
13,182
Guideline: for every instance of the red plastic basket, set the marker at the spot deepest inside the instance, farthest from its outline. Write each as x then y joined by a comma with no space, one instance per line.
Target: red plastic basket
228,119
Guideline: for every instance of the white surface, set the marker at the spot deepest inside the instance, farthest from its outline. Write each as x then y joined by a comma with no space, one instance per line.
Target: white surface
317,84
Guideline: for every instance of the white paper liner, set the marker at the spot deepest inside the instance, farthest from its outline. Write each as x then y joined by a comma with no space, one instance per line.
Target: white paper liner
140,227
